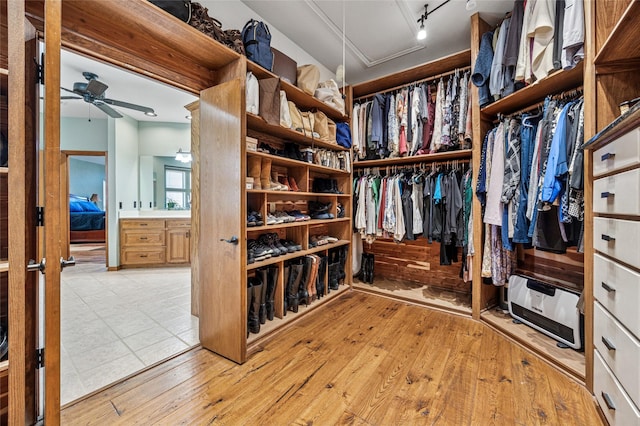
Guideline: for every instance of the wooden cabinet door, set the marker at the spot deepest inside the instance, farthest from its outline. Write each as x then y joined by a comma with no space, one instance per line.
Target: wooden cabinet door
222,243
178,245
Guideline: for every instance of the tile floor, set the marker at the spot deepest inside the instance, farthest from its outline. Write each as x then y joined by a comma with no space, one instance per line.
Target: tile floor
116,323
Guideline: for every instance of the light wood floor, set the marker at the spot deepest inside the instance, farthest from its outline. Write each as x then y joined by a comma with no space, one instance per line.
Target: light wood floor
363,360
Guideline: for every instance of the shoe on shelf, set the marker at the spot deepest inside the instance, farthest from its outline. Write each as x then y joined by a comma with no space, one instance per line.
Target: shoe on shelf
299,216
283,180
315,241
276,242
322,216
292,184
328,239
271,219
279,214
268,241
291,248
340,208
292,245
260,251
254,219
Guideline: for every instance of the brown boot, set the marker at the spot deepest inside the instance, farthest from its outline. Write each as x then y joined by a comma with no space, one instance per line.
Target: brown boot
311,280
253,170
265,174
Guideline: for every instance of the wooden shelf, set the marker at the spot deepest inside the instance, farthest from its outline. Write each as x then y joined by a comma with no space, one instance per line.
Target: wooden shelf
142,37
300,253
303,100
257,123
4,366
618,127
284,161
622,45
536,92
271,327
294,194
311,222
568,359
4,170
439,156
417,293
4,266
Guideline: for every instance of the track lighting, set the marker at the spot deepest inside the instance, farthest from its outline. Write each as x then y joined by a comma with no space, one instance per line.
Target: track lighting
422,32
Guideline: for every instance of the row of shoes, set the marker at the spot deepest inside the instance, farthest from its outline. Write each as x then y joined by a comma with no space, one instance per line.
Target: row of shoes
320,240
266,179
326,186
269,245
281,216
320,210
304,277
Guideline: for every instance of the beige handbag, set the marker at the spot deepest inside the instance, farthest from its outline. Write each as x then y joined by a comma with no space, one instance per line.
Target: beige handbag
324,126
329,93
302,122
285,114
308,78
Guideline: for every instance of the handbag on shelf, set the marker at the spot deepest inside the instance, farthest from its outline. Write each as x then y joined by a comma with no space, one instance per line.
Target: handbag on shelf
181,9
302,121
270,100
252,94
329,93
324,127
285,114
308,77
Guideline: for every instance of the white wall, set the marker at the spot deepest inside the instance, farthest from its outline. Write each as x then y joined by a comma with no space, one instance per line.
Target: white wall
80,134
233,14
163,139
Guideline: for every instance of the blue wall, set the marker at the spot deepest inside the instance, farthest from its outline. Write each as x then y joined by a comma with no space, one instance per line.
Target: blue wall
85,178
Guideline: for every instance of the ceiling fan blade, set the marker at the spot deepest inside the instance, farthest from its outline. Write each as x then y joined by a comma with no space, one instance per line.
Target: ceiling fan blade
128,105
70,97
108,110
96,88
67,90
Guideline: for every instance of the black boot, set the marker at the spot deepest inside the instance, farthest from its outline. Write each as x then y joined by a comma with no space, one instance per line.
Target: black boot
320,281
254,309
262,314
334,274
370,264
249,282
303,294
295,276
272,281
342,259
285,280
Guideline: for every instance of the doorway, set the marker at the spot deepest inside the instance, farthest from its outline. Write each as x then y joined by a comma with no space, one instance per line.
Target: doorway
85,174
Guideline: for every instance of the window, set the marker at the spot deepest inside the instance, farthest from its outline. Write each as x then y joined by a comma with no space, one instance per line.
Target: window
177,182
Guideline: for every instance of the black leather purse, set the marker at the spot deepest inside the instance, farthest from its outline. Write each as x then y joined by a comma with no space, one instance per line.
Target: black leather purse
181,9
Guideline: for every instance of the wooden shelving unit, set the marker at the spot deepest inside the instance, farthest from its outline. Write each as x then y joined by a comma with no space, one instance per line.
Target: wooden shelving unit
283,161
621,50
289,256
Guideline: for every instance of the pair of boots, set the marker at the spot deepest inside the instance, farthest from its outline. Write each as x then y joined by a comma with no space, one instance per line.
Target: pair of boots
337,262
261,290
366,268
260,170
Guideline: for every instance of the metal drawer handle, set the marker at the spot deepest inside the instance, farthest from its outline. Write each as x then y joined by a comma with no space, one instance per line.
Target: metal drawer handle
143,238
608,237
143,255
606,194
608,288
608,343
607,156
608,401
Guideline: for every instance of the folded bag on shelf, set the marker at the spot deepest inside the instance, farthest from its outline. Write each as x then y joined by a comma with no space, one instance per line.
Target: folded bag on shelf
270,100
343,135
324,127
252,93
302,121
329,93
284,67
285,114
308,77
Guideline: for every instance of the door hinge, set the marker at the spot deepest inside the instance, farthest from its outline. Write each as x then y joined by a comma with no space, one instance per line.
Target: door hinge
39,216
39,69
39,358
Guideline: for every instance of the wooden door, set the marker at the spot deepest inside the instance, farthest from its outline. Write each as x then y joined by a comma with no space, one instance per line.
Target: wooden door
222,243
22,235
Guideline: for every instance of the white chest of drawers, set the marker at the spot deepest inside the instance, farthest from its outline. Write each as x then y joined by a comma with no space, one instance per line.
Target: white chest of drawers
616,272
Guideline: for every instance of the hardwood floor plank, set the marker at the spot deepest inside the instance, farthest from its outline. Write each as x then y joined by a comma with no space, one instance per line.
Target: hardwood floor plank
361,360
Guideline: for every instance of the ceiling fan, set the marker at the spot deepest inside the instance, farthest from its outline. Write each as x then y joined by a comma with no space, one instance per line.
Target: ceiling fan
93,92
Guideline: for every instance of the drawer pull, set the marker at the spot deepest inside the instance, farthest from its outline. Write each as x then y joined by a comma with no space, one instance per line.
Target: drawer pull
607,156
143,255
606,194
608,288
608,401
143,238
143,224
608,343
608,237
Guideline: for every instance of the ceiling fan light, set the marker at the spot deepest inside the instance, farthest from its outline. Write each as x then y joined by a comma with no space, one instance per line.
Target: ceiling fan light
188,117
471,4
183,157
150,114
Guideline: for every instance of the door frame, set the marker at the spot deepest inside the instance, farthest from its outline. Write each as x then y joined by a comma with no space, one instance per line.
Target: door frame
64,173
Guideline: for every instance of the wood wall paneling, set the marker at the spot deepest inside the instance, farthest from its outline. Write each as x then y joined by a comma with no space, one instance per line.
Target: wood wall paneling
194,110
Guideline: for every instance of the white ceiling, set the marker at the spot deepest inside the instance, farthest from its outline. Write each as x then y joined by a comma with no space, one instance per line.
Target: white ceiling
380,39
380,35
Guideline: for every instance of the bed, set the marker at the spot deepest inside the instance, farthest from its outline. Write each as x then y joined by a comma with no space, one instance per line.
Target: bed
86,221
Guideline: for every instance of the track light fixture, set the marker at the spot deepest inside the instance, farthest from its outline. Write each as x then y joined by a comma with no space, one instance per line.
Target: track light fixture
422,32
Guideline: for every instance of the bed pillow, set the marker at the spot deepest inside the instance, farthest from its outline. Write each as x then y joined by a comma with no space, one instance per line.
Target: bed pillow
75,207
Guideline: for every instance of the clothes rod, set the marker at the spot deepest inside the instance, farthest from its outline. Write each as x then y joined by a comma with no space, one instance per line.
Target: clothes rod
426,79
